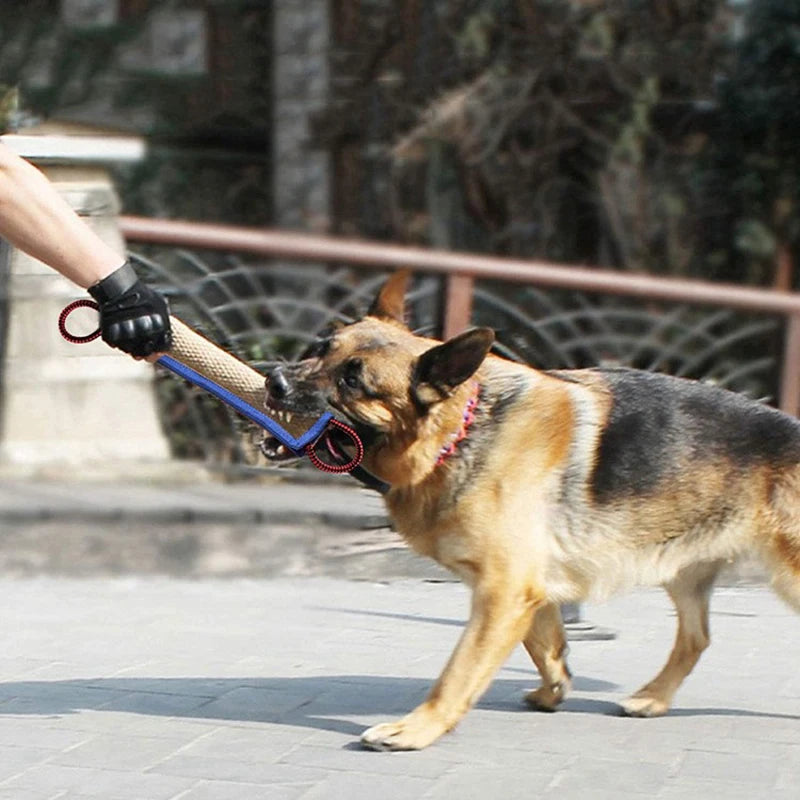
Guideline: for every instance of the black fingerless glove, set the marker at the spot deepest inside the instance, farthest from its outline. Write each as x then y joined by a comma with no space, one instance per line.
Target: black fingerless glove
133,317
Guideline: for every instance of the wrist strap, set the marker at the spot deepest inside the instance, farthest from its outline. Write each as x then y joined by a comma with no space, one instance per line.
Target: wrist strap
115,284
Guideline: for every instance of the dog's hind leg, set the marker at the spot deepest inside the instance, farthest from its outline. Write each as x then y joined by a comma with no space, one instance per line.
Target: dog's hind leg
547,646
690,592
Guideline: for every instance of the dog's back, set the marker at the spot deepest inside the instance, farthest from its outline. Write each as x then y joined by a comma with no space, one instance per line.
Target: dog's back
685,472
657,422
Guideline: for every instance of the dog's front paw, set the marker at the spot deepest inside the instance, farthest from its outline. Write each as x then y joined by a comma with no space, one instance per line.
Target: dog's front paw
644,705
413,732
548,698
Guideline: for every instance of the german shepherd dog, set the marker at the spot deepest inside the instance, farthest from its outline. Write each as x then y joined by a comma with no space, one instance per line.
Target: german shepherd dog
539,488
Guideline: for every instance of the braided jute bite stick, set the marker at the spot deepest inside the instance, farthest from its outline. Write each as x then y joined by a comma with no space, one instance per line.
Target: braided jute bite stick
207,358
200,361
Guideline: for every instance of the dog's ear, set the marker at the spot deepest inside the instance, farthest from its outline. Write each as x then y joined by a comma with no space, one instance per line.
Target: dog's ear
390,304
442,368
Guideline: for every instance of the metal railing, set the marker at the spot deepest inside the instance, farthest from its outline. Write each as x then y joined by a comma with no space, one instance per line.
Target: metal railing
461,271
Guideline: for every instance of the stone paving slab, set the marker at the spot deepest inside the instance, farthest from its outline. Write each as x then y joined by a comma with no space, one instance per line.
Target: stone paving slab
342,504
262,527
160,689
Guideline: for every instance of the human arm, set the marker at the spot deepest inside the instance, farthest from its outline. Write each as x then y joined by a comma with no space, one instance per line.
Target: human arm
37,220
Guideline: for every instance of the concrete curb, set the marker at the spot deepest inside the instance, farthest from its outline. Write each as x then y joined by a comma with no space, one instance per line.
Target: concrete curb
279,502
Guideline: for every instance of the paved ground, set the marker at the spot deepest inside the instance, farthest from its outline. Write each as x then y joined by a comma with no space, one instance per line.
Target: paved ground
151,687
162,689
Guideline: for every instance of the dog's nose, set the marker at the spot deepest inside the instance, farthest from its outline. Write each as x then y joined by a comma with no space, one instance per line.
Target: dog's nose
277,385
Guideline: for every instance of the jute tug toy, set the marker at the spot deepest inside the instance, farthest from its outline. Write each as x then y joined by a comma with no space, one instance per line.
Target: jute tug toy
201,362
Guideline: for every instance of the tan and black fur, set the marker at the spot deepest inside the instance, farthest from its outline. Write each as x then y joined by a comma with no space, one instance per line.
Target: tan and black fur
569,485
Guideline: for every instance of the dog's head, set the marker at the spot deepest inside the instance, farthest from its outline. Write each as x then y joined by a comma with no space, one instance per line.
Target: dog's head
393,387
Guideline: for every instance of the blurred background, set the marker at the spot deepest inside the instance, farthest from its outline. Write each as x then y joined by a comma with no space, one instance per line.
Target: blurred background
626,136
629,135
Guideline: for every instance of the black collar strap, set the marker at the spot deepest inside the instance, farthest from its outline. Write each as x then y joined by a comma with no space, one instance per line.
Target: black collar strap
369,480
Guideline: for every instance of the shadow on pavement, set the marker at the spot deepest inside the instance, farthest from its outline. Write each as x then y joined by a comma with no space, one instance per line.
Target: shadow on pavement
326,702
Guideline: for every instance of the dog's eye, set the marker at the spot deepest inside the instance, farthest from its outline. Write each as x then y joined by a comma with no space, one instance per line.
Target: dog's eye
351,381
351,374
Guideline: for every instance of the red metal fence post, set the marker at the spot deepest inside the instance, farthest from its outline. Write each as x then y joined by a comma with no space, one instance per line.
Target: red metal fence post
790,369
457,309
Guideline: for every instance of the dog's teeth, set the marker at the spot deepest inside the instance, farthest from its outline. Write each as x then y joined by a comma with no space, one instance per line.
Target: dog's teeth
288,417
281,450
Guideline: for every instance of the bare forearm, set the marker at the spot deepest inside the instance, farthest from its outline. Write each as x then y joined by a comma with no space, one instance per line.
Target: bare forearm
37,220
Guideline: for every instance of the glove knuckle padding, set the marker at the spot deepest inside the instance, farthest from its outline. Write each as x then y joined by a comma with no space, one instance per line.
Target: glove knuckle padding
133,317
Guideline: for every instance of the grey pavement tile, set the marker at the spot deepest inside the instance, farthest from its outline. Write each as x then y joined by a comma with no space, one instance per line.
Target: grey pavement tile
738,768
500,730
595,793
219,790
232,770
587,742
119,752
255,703
156,727
98,783
525,730
158,704
790,687
370,696
789,771
50,777
354,759
32,501
698,789
517,782
266,743
41,733
15,668
205,688
601,794
15,760
117,785
486,754
47,697
773,726
588,774
79,666
753,748
682,725
349,786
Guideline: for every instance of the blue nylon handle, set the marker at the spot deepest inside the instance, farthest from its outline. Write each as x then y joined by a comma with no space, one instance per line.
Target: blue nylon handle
297,446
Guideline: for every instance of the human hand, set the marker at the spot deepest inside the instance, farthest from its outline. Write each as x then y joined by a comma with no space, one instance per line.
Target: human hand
133,317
